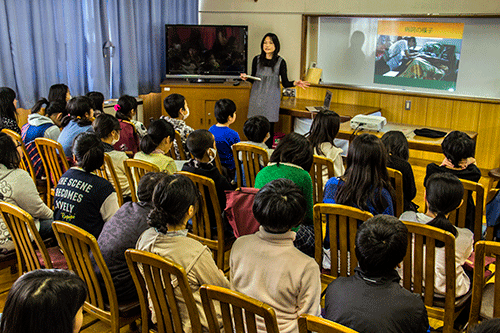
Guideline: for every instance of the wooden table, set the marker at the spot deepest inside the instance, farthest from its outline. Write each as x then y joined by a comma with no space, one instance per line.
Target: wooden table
414,141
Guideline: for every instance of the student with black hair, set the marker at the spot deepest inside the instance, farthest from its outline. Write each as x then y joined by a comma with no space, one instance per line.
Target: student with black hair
59,92
175,201
268,267
42,123
292,159
156,144
396,145
97,101
107,128
122,231
443,194
8,110
459,150
126,108
81,197
177,109
256,129
45,301
372,300
79,120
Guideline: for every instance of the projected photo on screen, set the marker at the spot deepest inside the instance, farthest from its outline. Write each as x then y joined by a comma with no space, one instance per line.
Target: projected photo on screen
418,54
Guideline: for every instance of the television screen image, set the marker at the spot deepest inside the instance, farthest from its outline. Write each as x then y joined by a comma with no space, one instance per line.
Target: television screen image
201,50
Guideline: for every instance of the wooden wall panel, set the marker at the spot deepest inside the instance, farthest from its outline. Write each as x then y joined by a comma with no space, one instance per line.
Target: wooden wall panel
418,112
439,112
152,104
315,93
488,140
358,97
392,107
465,116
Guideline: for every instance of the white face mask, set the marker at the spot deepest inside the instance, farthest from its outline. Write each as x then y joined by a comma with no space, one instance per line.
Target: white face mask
187,114
212,156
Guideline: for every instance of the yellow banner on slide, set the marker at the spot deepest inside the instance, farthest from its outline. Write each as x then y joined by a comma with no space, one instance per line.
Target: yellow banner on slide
421,29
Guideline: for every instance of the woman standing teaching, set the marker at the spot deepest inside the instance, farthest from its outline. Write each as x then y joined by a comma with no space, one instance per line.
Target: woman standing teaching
265,97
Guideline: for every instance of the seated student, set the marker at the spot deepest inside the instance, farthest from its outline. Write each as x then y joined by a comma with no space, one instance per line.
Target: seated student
97,101
107,128
177,109
322,134
79,120
45,301
175,199
268,267
42,123
59,92
458,149
372,300
156,144
397,146
225,138
126,108
81,197
443,194
122,231
8,110
292,159
256,130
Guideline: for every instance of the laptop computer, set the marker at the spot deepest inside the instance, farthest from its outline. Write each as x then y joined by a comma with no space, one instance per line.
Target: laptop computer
326,104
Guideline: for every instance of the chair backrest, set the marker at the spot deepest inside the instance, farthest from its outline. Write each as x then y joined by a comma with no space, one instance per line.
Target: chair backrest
457,217
320,166
232,304
134,170
482,249
201,221
490,230
419,266
253,158
26,164
182,153
396,178
343,224
309,324
21,226
157,277
78,245
108,172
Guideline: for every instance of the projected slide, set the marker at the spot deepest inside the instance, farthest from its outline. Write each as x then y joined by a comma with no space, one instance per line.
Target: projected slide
418,54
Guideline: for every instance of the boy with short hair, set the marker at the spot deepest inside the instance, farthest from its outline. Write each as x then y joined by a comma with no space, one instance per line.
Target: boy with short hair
268,267
177,109
256,130
225,138
372,300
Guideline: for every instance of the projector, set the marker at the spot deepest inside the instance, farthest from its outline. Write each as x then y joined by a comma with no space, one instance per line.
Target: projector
371,123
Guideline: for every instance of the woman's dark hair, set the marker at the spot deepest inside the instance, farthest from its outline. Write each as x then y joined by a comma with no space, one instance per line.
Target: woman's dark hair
458,146
256,128
104,124
444,193
171,199
366,174
9,156
7,107
279,206
126,104
157,131
263,60
58,92
396,144
97,100
296,149
199,141
88,151
324,128
78,108
50,107
173,103
44,301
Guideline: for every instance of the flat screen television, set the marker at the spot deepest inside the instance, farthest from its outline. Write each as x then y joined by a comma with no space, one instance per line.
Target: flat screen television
206,51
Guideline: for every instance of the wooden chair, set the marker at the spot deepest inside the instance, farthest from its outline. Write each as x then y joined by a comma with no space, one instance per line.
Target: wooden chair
78,245
485,298
201,221
342,226
26,163
232,303
492,193
29,250
419,269
155,273
108,172
134,170
309,324
320,165
54,163
253,158
396,178
182,153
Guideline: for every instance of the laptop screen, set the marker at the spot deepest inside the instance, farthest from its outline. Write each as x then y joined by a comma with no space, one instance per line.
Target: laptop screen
328,100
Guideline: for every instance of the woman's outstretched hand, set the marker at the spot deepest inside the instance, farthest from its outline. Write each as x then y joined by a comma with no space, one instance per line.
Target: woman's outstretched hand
243,76
302,84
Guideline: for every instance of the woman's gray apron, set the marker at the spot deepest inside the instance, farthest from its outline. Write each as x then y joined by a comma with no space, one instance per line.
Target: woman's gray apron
265,97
